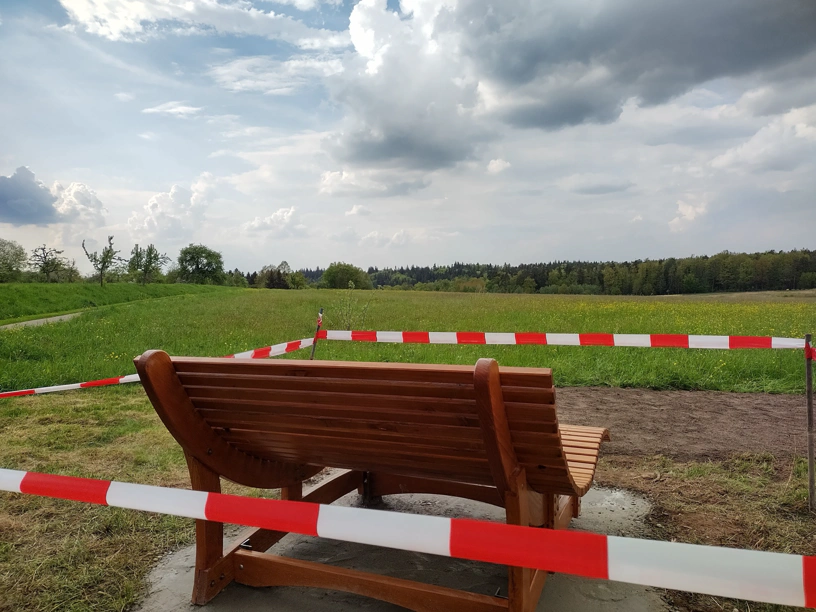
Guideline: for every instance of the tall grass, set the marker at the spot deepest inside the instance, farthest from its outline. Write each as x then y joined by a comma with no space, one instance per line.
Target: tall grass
103,343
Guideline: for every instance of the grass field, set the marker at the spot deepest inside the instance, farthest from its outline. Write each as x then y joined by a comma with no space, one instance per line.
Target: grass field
22,301
103,343
57,555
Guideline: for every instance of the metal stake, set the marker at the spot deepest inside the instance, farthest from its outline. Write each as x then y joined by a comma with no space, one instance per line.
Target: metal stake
317,331
809,386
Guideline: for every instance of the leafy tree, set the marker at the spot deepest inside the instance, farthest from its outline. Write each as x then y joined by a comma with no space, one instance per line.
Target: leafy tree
236,278
146,263
13,259
200,265
270,277
104,260
297,280
338,275
47,262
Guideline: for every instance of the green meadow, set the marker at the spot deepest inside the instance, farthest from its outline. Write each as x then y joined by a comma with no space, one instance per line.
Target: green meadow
102,343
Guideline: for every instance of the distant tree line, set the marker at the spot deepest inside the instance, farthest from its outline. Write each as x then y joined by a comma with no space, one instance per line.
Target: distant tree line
726,271
196,263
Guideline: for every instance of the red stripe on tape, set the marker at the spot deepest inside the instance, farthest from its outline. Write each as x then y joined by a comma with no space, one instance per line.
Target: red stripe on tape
321,335
17,393
100,383
293,346
261,353
364,336
470,337
596,339
66,487
746,342
418,337
571,552
809,580
531,338
278,515
669,340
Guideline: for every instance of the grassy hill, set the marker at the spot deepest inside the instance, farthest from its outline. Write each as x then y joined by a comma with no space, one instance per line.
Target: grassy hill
21,301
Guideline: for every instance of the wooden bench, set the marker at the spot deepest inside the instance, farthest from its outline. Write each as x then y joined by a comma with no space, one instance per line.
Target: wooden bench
485,433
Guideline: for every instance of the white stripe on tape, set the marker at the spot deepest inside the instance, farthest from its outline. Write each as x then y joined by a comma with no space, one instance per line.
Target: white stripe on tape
640,340
788,343
56,388
338,335
708,342
129,379
389,336
442,337
491,338
10,480
244,355
725,572
178,502
425,534
564,339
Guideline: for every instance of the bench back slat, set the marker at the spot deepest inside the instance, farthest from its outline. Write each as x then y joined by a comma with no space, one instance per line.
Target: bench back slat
415,420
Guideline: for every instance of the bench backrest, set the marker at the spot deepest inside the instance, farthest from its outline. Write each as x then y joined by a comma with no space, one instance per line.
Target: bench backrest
408,419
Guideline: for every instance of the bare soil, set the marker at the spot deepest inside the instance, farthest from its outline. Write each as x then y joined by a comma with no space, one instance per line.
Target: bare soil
689,425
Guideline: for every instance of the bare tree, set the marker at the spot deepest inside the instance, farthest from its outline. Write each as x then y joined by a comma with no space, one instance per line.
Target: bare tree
104,260
47,261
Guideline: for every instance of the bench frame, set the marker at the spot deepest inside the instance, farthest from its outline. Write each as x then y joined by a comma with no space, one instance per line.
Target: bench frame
246,562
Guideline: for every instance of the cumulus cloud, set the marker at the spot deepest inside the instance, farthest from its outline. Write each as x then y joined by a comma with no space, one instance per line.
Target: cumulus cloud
175,109
783,144
140,19
379,239
274,77
174,215
687,212
276,221
593,184
495,166
358,209
26,201
123,96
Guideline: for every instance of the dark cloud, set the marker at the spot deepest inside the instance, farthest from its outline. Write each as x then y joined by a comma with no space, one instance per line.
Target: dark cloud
403,146
573,63
25,200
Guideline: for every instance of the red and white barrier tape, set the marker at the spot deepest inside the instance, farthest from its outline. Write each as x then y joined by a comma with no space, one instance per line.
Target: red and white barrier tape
725,572
550,339
258,353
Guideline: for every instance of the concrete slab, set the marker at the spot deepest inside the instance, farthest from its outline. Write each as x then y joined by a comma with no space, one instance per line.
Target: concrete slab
604,511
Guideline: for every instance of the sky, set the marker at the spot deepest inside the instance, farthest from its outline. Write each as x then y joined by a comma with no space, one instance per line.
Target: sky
388,133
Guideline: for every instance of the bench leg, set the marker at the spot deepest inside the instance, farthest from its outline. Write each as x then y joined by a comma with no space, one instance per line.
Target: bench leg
212,571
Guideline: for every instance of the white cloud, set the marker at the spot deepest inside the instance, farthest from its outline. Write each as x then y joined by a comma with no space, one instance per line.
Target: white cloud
305,5
783,144
379,239
497,165
78,203
281,223
124,96
140,19
371,183
636,218
274,77
176,109
358,209
687,212
147,136
174,216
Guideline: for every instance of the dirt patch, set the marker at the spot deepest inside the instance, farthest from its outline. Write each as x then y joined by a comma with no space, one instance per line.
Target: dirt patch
689,424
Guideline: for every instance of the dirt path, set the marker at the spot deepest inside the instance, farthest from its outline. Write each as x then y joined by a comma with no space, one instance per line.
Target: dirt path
689,424
34,322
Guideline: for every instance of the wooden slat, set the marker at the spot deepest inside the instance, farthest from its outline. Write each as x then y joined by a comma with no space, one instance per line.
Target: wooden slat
310,384
523,377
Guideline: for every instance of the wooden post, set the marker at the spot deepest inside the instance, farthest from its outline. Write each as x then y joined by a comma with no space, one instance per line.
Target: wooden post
317,330
809,387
